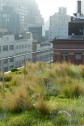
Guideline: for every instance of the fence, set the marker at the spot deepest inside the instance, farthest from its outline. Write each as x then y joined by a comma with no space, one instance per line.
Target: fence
18,60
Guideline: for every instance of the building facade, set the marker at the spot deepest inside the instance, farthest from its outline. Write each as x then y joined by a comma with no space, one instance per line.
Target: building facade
17,15
76,28
43,51
36,32
22,12
15,50
70,50
9,18
34,17
76,25
12,46
59,24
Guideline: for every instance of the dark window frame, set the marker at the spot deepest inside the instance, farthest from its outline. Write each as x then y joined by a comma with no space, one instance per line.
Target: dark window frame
80,54
66,54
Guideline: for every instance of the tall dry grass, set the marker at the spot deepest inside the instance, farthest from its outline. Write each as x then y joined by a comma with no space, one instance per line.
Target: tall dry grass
61,79
43,106
18,101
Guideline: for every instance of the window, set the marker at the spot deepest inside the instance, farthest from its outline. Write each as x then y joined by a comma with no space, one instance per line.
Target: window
5,69
17,54
5,61
19,46
5,48
11,66
28,46
22,46
11,47
16,46
65,56
0,48
11,60
25,45
78,56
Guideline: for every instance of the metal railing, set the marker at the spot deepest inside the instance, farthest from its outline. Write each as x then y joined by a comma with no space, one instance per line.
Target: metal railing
40,55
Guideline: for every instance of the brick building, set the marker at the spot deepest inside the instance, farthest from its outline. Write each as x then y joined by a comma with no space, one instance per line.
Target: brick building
70,50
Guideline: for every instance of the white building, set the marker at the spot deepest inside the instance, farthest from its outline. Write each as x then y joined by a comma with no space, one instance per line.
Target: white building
10,46
16,50
6,49
59,24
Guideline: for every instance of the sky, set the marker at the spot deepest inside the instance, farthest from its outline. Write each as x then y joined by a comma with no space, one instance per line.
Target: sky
49,7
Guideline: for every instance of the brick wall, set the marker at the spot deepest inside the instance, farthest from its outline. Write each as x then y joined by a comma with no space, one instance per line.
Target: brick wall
71,47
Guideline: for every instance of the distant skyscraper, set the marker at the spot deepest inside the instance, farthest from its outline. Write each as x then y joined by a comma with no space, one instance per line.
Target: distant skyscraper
34,17
59,24
17,15
9,20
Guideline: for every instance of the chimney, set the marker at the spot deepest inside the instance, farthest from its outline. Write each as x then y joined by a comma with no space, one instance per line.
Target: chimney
79,6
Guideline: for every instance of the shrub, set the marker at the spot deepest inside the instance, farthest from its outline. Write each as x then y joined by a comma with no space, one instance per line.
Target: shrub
7,78
61,120
7,85
73,91
82,121
24,119
20,100
0,85
14,81
52,90
73,71
42,106
10,104
82,72
1,78
14,70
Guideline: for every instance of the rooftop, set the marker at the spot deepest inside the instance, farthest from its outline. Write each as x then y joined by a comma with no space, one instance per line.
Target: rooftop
70,38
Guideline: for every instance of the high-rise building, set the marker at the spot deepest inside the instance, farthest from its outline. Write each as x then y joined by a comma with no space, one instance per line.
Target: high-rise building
24,13
33,13
9,20
59,24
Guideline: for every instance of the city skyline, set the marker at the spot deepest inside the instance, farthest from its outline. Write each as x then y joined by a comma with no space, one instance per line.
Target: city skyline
49,7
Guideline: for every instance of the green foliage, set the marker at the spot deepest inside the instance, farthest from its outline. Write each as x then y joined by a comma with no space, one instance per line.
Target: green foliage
21,120
7,78
14,70
20,101
43,106
82,72
1,78
82,121
73,91
61,120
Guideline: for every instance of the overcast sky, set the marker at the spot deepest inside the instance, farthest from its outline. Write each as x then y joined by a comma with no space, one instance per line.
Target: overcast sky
49,7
